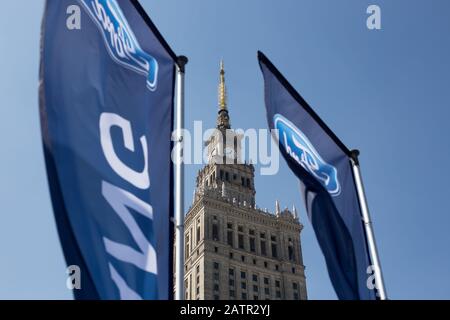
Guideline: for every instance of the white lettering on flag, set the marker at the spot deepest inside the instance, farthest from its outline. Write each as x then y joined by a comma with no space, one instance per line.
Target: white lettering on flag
141,179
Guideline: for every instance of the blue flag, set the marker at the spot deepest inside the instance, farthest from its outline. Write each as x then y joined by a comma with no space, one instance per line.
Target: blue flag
106,106
322,163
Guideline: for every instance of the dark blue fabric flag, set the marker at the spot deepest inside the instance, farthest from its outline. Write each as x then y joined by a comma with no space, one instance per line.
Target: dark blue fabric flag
322,163
106,106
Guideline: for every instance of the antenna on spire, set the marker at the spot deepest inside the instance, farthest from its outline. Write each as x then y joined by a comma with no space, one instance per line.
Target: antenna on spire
222,88
223,119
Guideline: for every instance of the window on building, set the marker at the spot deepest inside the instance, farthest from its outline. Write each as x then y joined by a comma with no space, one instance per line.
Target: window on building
251,232
216,249
216,276
243,275
255,288
234,176
215,231
198,231
186,286
229,225
265,264
277,267
187,251
274,250
227,176
230,237
243,258
221,174
296,297
243,181
243,285
252,244
198,269
216,287
277,283
248,182
216,265
231,272
263,248
255,277
240,228
293,270
244,296
254,261
294,286
267,290
278,294
216,297
231,255
241,241
291,252
197,291
255,297
231,282
266,280
232,294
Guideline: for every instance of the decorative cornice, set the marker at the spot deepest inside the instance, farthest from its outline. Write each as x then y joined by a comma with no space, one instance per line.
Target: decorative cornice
212,198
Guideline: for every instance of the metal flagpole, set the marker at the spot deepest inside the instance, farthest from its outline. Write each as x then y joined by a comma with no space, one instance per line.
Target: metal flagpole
368,226
179,180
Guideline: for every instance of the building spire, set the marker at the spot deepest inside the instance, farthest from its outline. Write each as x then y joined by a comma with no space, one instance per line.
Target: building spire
277,208
294,212
222,88
223,119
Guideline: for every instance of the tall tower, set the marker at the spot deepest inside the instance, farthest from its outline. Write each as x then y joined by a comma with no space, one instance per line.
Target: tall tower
233,249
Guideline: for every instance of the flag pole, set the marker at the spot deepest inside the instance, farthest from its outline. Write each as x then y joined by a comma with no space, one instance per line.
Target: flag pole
179,180
379,281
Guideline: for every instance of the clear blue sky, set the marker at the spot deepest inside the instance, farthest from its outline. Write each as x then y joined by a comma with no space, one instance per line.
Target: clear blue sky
384,92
